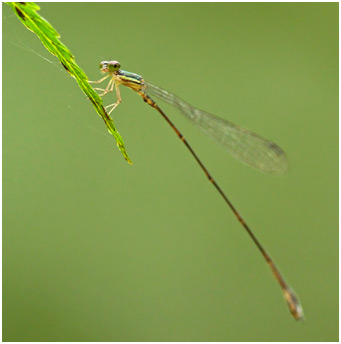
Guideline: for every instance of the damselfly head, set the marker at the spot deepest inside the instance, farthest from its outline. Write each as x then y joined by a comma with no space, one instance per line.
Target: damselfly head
109,66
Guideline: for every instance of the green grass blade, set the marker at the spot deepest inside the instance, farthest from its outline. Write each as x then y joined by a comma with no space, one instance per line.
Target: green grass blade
27,13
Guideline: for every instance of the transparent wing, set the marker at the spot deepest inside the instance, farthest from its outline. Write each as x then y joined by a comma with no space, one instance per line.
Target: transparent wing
241,143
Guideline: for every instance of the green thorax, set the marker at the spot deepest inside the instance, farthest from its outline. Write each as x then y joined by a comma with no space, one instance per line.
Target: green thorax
132,77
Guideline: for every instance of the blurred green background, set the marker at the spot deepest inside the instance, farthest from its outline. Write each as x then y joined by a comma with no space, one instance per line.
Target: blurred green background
97,250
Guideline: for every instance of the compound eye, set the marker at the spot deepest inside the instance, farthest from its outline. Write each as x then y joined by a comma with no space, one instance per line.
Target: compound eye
102,64
114,66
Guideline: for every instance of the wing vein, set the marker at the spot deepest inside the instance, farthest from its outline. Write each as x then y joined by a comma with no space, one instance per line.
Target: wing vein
242,144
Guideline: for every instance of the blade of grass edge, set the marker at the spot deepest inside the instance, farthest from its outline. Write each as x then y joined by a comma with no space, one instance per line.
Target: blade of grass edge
26,12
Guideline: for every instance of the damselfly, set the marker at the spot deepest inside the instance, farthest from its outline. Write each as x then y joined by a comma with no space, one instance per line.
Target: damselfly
243,144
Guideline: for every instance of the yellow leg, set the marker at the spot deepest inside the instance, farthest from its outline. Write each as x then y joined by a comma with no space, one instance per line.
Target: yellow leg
107,89
118,96
99,81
